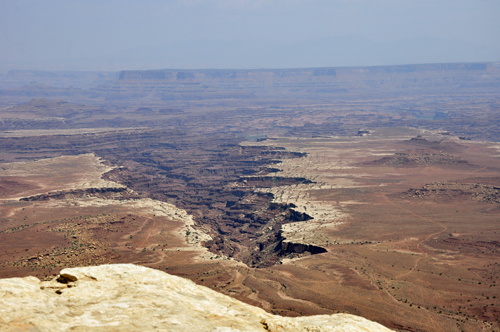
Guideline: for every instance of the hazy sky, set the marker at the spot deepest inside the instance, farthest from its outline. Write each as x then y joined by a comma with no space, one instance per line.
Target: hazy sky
112,34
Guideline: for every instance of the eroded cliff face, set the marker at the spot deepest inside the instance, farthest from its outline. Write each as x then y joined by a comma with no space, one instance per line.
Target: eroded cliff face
126,297
212,178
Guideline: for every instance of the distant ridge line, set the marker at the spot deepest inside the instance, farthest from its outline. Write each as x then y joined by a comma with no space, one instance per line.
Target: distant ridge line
180,74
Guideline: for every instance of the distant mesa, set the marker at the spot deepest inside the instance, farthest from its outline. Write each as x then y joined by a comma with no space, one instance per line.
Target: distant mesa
331,72
155,75
310,83
171,111
222,73
325,72
144,75
144,110
182,75
429,67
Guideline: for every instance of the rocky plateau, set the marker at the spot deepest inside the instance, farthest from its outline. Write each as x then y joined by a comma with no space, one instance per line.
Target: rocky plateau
126,297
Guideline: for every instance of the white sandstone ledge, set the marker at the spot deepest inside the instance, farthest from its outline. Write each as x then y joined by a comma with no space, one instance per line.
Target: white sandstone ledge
126,297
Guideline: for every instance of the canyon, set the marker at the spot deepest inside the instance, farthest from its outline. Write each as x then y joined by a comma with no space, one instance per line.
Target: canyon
371,191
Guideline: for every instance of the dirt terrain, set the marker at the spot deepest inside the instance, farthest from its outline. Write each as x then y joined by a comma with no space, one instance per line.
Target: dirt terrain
433,250
337,225
300,191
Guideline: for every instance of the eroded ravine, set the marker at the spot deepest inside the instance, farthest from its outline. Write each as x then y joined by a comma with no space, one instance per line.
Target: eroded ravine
219,183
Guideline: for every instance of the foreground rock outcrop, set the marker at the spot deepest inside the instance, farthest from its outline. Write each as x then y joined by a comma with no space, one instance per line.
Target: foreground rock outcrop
126,297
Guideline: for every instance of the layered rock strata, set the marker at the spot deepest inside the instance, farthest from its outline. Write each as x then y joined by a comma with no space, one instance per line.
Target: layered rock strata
212,178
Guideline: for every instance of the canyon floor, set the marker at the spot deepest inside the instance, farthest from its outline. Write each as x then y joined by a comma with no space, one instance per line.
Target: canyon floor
384,205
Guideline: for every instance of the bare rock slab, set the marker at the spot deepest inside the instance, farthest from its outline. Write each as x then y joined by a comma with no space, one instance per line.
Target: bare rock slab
126,297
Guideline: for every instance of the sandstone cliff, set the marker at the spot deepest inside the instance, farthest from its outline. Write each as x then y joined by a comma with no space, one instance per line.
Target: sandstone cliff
126,297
